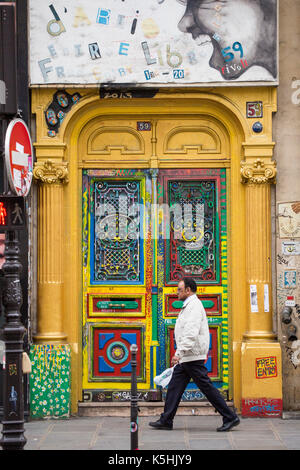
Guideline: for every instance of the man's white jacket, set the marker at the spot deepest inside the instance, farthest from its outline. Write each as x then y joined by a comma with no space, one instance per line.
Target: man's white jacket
191,331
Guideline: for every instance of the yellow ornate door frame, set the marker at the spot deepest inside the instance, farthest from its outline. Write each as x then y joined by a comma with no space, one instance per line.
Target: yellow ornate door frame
233,145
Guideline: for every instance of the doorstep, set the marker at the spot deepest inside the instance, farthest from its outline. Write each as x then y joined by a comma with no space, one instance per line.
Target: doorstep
122,409
291,414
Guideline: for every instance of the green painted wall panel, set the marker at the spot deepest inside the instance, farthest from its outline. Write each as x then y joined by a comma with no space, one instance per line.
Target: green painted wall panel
50,381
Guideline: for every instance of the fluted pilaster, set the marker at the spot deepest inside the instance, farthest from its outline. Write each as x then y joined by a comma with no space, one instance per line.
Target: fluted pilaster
50,176
258,176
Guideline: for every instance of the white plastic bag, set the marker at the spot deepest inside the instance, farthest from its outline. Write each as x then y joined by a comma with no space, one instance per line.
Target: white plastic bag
164,378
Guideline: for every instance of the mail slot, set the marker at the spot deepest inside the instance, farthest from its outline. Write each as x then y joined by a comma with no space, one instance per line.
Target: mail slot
116,305
211,303
126,304
206,304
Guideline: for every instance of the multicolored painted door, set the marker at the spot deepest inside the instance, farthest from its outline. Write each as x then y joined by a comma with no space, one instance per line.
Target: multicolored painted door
117,281
143,230
193,243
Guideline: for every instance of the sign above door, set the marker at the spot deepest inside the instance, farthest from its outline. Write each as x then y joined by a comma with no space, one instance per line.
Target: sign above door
154,42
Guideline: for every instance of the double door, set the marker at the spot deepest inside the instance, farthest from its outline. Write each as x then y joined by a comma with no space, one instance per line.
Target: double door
143,231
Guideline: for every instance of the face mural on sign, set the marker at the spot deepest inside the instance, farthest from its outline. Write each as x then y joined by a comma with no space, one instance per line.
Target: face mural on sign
242,32
161,41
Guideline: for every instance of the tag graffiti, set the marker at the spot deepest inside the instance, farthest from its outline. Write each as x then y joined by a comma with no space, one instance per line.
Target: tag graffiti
293,353
261,407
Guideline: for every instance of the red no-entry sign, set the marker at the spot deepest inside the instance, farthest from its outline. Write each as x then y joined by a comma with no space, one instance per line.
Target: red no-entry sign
19,157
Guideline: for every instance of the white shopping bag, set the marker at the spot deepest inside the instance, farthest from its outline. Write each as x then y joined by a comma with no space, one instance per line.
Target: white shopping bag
164,378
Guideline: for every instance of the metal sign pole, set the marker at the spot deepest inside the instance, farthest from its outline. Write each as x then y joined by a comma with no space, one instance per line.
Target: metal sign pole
13,417
134,401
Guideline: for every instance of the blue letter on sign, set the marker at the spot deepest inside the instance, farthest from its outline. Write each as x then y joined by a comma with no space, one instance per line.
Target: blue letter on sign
123,48
103,16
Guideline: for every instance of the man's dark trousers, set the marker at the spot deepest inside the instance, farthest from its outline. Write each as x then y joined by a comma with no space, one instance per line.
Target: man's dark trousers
182,374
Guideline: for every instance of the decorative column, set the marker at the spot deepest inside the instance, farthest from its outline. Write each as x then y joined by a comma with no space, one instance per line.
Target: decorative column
50,355
50,175
261,354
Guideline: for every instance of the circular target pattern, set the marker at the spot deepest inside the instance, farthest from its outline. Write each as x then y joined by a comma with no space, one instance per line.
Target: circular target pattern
117,352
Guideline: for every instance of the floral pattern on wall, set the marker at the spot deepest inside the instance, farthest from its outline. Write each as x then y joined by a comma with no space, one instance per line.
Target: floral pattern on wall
50,381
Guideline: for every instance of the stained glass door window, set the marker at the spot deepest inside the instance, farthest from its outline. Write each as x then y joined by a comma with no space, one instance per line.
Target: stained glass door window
193,243
117,229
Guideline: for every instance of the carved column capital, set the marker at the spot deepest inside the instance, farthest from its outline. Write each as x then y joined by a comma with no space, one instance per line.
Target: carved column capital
258,171
50,172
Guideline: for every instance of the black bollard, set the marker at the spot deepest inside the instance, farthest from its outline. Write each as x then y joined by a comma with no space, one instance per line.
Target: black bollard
13,332
134,401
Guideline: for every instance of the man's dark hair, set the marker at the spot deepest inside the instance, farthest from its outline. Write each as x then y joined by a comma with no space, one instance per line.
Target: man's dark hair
189,282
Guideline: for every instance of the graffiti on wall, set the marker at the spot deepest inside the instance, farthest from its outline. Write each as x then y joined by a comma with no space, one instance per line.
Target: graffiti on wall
158,41
264,407
288,272
289,219
266,367
293,353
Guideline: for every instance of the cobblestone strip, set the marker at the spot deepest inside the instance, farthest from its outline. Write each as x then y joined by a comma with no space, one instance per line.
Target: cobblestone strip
231,440
44,437
276,434
186,433
95,435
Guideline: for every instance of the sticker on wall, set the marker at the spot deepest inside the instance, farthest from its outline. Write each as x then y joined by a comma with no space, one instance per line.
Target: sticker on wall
289,219
290,301
253,298
266,367
291,248
254,109
266,298
290,279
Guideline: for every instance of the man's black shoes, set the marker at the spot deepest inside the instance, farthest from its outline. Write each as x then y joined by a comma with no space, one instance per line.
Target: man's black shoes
230,424
159,425
225,427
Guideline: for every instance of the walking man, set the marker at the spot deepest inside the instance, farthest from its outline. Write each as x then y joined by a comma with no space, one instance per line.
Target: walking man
192,340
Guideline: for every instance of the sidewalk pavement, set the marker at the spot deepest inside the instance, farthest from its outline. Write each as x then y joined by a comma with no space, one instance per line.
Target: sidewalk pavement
189,433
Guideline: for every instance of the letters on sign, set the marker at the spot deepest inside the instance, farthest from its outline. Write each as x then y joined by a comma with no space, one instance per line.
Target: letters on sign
266,367
164,42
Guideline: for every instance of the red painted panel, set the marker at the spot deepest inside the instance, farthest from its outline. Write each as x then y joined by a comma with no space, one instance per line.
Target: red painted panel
263,407
212,357
111,355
